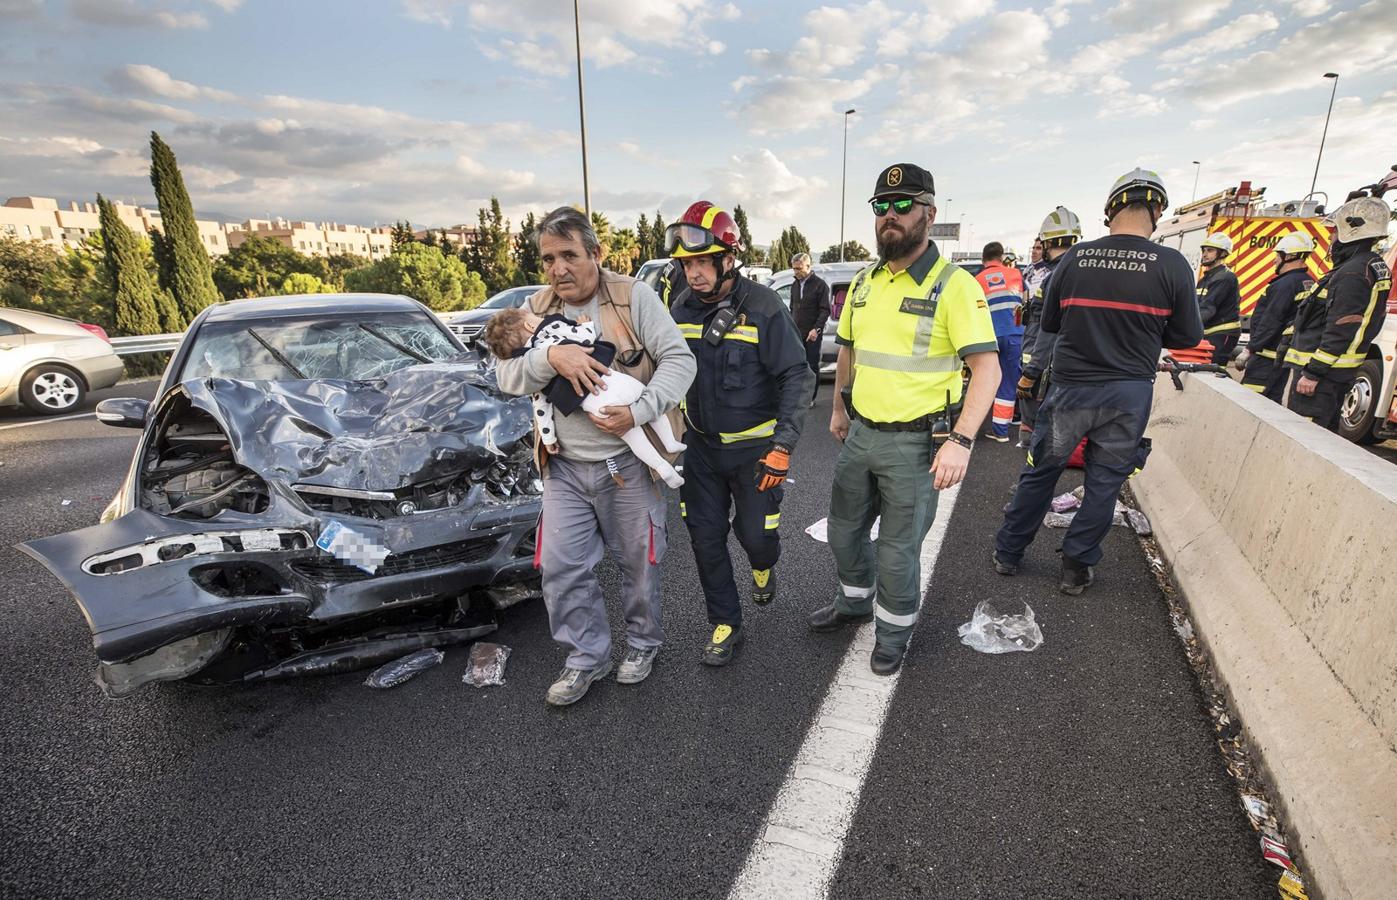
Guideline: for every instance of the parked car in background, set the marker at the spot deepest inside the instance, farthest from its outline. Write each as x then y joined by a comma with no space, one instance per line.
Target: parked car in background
759,274
320,484
468,325
49,363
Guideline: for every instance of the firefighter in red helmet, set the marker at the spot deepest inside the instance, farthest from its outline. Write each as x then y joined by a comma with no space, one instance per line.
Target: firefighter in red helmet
744,412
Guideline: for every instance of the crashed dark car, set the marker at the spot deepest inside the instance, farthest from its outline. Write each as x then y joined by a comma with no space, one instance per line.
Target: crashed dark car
322,483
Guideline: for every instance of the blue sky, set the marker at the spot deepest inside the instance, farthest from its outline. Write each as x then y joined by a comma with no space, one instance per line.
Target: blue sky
422,109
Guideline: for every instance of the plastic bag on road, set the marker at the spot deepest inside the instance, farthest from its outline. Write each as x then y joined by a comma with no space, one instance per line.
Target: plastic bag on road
1063,502
1139,522
486,666
1001,627
403,668
1058,520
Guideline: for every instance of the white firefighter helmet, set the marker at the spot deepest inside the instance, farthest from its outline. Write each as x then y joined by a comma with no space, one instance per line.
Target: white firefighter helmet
1136,186
1061,226
1362,217
1297,242
1218,241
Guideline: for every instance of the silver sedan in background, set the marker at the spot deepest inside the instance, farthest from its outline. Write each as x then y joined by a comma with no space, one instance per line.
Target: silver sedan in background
49,363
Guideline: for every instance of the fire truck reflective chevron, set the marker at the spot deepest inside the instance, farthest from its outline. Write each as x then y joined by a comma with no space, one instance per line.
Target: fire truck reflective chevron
1253,257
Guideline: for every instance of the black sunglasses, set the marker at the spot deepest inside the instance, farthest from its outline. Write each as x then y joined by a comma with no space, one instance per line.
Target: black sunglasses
902,205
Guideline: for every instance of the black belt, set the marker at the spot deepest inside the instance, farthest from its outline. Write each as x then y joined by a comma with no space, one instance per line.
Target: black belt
921,424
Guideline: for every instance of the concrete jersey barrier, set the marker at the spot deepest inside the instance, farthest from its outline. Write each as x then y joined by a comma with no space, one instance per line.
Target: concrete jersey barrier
1283,539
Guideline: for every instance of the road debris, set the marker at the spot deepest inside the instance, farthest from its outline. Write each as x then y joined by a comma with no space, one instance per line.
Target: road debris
66,503
486,666
820,530
1291,886
1063,502
404,668
1001,627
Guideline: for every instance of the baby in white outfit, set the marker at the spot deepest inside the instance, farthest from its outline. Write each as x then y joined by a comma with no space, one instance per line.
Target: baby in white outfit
513,330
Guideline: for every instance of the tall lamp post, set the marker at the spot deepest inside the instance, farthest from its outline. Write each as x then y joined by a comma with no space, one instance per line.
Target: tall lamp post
582,111
1325,134
1198,169
843,181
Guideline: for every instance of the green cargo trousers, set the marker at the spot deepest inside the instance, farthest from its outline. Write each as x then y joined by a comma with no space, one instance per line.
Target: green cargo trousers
883,473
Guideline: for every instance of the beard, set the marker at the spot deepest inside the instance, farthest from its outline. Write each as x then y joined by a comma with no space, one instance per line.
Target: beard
895,243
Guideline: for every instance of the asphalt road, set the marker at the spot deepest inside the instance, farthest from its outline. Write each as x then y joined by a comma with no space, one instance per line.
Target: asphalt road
1084,769
20,415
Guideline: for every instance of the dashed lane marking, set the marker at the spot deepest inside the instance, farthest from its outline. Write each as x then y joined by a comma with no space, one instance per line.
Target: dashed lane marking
799,847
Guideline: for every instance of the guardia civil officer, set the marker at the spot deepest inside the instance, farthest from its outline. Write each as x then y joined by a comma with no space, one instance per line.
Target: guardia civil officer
1275,310
911,321
1113,303
1339,317
1219,298
745,410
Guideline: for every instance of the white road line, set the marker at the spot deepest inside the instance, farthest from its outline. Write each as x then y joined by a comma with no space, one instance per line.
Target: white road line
800,845
48,420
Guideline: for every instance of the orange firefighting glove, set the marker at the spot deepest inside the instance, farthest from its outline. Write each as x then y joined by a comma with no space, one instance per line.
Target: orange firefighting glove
772,468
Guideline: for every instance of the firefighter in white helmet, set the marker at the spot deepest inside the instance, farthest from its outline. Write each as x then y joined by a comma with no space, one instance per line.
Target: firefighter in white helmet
1339,317
1274,312
1219,298
1060,230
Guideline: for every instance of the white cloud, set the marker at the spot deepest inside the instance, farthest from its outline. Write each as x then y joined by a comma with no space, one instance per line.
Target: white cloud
796,103
150,80
764,186
1361,39
1308,9
1238,33
130,14
491,180
227,5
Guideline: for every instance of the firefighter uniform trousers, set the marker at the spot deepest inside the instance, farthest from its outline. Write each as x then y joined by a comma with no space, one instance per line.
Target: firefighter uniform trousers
1113,416
717,480
1010,363
885,473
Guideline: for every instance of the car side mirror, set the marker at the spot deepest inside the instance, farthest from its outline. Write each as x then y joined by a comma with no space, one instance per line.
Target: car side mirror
123,412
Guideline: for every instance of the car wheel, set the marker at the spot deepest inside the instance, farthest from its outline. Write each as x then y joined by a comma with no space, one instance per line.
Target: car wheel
51,390
1359,406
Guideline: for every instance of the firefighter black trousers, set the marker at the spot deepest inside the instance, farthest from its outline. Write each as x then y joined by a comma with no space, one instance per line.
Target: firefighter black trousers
1112,416
1322,407
717,479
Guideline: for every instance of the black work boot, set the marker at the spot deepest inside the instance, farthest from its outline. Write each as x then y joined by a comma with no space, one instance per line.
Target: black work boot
763,586
1004,567
829,618
1076,577
886,659
723,645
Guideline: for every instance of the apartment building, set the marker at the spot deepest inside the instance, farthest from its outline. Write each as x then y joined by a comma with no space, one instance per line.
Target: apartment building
457,236
41,219
316,238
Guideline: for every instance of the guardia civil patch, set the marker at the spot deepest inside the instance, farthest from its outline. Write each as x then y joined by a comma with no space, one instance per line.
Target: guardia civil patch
919,306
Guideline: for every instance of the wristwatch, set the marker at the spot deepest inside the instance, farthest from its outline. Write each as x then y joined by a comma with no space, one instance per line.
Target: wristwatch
955,437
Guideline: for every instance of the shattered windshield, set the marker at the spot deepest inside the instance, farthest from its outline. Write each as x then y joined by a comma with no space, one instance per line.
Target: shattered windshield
348,347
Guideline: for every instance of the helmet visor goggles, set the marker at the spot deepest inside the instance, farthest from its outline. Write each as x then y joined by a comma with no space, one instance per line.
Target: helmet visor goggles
692,238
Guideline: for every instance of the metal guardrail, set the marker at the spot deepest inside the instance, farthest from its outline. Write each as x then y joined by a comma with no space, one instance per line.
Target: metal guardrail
146,343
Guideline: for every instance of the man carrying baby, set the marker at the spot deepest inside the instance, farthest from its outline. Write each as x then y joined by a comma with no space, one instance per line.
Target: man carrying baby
596,492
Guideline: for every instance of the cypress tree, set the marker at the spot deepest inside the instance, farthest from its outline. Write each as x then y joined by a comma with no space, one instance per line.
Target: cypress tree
190,271
135,292
171,319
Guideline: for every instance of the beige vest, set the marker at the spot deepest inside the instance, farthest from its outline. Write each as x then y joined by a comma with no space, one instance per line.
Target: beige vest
616,327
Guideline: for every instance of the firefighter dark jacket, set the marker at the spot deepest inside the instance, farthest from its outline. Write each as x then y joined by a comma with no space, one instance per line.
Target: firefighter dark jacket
1337,321
1276,309
1219,301
753,384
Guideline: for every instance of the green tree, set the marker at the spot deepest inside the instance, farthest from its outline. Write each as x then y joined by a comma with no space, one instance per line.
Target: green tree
258,266
430,239
853,250
657,234
191,272
749,253
528,268
489,254
644,238
787,245
335,266
135,290
303,283
442,282
23,267
621,252
402,234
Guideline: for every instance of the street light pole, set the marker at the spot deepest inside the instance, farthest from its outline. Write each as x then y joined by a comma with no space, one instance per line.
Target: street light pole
1196,172
1325,134
843,182
582,111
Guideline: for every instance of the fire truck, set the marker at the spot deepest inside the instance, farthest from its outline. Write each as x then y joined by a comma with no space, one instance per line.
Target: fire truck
1255,226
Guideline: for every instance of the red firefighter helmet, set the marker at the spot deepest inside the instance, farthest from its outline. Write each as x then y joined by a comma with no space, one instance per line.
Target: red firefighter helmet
704,229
